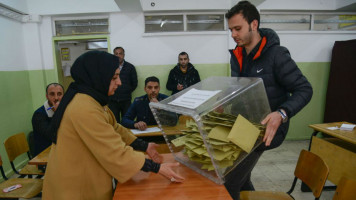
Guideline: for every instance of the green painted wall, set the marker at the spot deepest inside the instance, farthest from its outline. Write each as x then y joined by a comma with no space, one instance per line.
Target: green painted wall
318,75
16,108
38,81
22,92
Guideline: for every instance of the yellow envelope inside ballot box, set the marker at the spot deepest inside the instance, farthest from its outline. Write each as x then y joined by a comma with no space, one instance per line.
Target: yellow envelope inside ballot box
180,141
244,134
220,133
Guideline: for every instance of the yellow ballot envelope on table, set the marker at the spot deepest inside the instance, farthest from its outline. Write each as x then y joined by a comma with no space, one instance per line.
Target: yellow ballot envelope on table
218,123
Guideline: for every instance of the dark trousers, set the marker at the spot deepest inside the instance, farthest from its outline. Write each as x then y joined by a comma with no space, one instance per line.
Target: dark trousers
239,179
119,108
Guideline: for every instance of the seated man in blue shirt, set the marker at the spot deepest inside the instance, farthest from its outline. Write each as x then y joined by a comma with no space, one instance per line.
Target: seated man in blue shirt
140,109
42,117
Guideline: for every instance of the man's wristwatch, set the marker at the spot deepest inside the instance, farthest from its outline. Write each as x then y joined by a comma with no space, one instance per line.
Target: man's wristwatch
283,115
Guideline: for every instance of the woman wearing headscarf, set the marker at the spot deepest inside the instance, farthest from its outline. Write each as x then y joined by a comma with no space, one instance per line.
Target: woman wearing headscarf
89,146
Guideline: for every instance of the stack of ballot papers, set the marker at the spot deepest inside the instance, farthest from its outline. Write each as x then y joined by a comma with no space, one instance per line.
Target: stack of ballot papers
227,137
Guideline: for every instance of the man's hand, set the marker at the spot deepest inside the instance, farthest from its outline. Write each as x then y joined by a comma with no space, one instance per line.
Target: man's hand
179,87
140,125
152,152
154,99
273,121
55,106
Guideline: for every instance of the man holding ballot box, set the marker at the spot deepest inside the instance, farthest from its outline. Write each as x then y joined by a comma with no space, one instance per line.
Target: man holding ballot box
258,54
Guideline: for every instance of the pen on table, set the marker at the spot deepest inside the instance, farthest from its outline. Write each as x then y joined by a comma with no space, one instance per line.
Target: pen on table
50,108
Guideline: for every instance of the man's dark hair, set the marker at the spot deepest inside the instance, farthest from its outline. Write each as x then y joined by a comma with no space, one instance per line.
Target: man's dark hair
182,54
55,84
118,48
151,79
248,11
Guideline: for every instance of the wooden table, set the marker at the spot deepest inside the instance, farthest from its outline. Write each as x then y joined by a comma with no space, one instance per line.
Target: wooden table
154,186
348,136
338,150
169,130
41,159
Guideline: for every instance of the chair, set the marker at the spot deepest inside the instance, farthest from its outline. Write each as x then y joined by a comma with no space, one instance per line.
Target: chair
346,189
311,169
31,143
30,187
15,146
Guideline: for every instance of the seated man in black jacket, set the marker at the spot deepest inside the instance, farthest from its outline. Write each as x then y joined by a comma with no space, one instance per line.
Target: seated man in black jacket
140,109
42,117
121,100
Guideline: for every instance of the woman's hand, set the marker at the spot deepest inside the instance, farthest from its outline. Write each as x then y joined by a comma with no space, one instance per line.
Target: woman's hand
152,152
167,171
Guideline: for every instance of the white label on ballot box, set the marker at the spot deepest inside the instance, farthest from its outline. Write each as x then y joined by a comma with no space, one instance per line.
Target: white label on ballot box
194,98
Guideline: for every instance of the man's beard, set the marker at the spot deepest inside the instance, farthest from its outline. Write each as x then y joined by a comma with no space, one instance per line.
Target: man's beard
153,96
247,39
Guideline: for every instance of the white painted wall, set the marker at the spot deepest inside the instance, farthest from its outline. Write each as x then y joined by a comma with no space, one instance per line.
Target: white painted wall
38,44
32,45
157,5
29,45
46,42
55,7
18,5
12,52
127,31
312,47
343,3
298,5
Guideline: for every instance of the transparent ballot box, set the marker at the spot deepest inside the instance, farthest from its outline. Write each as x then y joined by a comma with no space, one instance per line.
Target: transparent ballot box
213,125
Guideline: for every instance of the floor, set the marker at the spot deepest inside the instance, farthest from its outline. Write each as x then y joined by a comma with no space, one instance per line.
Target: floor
275,171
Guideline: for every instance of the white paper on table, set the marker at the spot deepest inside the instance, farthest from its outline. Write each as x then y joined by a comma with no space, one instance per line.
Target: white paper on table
194,98
347,127
333,128
148,130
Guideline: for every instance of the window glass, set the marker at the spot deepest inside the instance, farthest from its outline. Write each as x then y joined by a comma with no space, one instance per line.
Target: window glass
163,23
335,22
207,22
81,27
283,22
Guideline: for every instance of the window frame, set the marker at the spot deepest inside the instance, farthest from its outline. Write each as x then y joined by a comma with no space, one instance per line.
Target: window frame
185,24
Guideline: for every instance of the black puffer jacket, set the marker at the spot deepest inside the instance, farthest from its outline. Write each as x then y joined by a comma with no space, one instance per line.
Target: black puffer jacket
128,77
286,86
187,79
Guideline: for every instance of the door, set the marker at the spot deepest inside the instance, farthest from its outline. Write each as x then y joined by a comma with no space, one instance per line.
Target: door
68,49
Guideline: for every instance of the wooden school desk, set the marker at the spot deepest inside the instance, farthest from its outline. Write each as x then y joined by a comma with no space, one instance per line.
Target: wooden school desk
169,130
41,159
154,186
338,150
173,130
